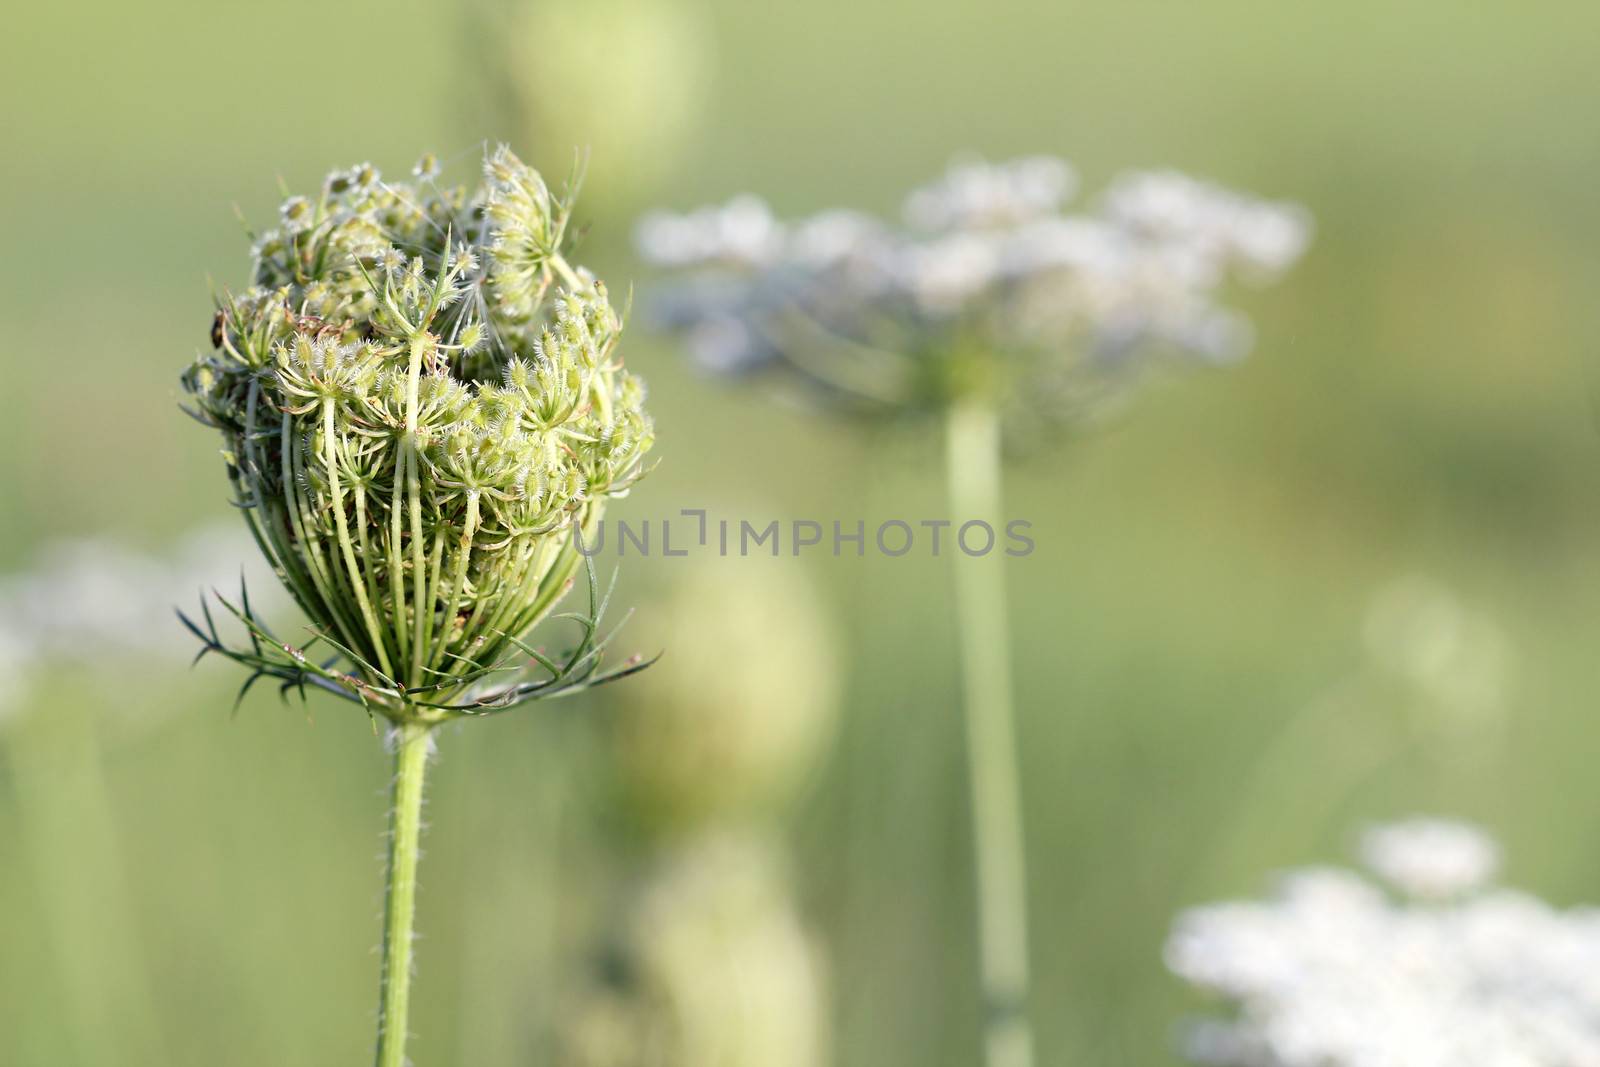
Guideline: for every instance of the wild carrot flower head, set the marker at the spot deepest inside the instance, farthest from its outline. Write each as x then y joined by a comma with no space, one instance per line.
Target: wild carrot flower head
1431,859
422,403
1332,971
990,284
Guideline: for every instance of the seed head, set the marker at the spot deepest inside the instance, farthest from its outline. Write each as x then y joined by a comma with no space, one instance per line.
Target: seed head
415,490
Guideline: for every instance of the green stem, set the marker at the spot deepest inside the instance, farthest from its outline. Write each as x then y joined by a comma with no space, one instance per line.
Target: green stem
973,468
400,898
568,275
346,546
458,581
421,608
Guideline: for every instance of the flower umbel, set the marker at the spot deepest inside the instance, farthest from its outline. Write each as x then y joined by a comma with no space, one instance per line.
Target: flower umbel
422,409
995,309
1331,971
991,287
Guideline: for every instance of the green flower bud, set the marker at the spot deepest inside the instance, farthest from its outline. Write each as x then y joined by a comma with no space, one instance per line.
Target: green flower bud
422,401
629,80
731,721
710,964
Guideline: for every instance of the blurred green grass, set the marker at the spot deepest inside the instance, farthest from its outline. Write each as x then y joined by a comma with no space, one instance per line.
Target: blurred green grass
1419,401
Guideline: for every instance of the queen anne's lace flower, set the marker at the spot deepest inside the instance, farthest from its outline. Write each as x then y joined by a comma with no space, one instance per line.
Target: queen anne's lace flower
1333,972
973,193
990,286
421,402
1431,858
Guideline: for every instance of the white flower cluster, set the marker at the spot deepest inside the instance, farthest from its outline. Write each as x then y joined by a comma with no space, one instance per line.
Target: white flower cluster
1431,859
974,193
94,603
988,256
1332,971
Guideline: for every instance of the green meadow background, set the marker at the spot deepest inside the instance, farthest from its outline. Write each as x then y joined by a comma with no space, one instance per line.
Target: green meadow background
178,886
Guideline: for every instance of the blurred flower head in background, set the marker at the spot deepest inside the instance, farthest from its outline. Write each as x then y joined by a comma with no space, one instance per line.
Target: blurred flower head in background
709,964
95,605
989,285
734,716
624,82
1431,859
1446,969
1455,655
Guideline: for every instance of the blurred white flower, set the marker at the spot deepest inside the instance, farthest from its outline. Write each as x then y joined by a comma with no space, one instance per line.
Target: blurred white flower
1173,207
743,231
723,344
973,193
1332,972
831,237
987,263
1431,859
92,604
944,274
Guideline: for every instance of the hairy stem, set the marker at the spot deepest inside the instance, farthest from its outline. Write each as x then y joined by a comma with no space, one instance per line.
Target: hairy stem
400,898
973,469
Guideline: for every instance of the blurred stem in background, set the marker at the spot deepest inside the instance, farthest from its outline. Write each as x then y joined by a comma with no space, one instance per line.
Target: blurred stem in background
89,622
973,469
522,855
1433,688
991,294
69,839
411,744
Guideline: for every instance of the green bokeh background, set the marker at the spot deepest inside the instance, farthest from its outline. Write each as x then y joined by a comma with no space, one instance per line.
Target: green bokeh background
1419,402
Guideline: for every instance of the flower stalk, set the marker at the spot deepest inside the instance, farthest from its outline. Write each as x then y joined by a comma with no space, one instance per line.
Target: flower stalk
993,302
411,745
994,778
423,410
